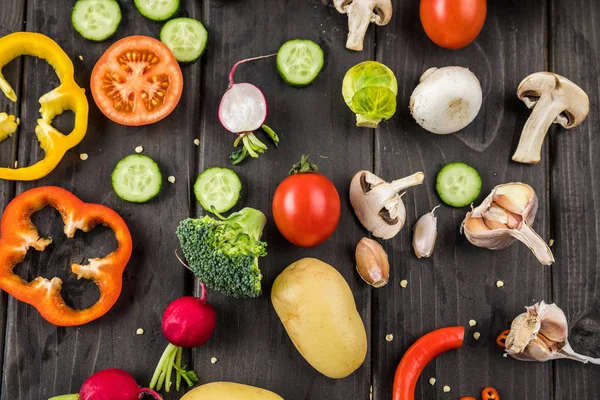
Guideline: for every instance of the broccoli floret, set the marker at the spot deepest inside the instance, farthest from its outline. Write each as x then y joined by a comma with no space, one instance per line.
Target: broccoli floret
224,253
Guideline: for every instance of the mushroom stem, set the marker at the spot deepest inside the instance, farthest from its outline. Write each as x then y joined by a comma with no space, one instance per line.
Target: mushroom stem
359,17
544,114
404,183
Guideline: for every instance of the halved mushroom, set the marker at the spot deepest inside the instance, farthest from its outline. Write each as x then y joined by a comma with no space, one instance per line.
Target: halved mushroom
360,13
377,203
554,99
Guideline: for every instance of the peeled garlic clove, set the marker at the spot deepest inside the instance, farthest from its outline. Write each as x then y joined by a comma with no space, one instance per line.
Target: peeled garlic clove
372,262
541,334
516,197
425,235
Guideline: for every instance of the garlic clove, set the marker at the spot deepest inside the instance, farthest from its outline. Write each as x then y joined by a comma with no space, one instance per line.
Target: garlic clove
372,262
517,198
425,234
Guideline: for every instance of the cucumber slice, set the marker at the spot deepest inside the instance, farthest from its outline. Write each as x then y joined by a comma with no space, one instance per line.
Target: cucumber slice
217,187
299,61
96,20
458,184
185,37
137,178
157,10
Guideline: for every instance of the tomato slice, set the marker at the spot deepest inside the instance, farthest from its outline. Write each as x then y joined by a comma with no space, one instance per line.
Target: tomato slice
137,81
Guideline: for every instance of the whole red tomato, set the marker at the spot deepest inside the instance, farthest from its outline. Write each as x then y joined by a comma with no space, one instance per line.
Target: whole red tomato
306,206
453,24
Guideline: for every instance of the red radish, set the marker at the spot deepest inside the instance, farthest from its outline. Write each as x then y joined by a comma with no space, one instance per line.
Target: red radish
187,322
243,110
109,384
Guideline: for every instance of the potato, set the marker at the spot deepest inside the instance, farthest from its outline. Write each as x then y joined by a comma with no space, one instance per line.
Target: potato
317,309
229,391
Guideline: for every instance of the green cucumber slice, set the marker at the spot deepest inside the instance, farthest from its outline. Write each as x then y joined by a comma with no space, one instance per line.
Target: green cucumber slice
185,37
137,178
458,184
299,62
157,10
96,20
217,187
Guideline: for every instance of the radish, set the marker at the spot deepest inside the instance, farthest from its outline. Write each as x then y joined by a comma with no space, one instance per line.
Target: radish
109,384
243,110
187,322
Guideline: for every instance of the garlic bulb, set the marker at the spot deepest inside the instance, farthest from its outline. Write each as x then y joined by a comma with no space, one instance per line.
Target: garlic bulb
505,215
425,235
541,334
372,263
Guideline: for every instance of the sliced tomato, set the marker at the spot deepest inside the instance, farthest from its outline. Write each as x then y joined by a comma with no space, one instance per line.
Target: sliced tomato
137,81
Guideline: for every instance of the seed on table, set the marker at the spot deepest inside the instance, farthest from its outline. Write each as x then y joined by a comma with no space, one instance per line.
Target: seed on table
83,156
472,322
404,283
197,142
499,284
477,335
139,149
139,331
171,179
432,381
389,337
213,360
446,389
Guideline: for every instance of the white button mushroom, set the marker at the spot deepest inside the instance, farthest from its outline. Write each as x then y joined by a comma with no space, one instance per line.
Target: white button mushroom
446,99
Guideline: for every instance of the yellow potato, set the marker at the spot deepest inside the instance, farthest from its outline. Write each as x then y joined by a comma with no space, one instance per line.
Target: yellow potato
317,309
229,391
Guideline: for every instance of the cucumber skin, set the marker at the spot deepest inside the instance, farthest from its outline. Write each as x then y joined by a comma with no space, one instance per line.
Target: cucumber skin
94,39
296,85
155,195
163,19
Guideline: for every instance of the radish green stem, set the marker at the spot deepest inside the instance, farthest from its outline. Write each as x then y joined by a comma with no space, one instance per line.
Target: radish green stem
180,350
169,369
231,83
160,367
65,397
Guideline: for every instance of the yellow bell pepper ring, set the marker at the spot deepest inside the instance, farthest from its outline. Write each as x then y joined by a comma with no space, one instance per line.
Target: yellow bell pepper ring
67,96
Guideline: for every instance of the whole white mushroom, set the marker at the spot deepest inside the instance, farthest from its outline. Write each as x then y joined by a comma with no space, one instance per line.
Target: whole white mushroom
446,99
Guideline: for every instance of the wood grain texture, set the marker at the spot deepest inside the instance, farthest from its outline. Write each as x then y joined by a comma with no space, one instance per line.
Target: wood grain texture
575,46
9,22
458,282
250,342
43,360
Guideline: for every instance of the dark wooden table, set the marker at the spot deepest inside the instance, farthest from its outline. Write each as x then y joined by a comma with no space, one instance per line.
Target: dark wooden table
457,284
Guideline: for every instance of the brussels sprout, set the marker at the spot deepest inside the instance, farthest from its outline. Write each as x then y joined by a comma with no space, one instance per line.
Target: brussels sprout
370,90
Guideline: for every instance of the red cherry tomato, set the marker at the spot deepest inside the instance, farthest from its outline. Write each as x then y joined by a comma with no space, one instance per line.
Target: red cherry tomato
453,24
306,207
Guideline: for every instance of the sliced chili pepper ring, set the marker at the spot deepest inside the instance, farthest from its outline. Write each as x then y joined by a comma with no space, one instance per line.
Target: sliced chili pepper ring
67,96
501,339
18,234
489,393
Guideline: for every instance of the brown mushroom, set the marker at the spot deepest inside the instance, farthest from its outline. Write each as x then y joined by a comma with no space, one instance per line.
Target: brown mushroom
360,13
554,99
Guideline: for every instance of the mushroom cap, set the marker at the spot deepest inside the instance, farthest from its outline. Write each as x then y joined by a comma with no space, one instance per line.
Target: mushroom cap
575,100
446,100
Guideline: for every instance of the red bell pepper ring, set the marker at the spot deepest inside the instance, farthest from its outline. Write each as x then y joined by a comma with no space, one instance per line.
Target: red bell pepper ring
18,234
421,353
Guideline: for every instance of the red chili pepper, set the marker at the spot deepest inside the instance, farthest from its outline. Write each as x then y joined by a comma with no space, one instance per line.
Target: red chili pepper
489,393
419,355
18,234
501,339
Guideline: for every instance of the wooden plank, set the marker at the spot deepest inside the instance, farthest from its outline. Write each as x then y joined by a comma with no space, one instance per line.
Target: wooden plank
459,282
250,343
43,360
9,22
575,45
